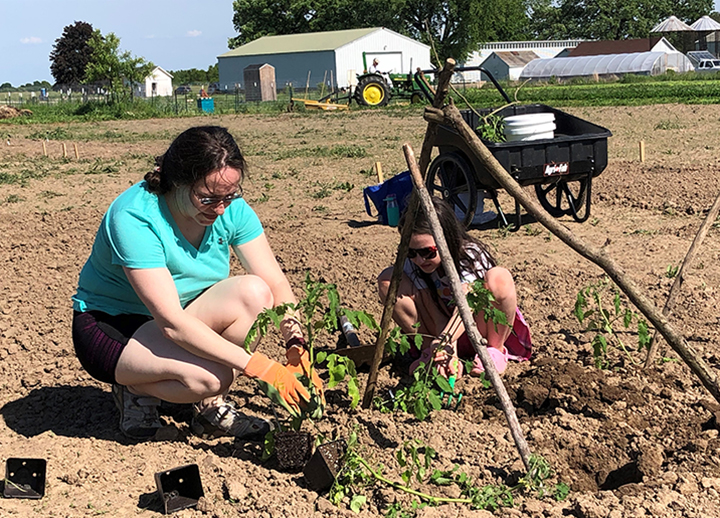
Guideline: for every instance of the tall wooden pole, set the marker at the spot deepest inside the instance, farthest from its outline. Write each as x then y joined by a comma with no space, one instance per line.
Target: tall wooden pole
464,309
386,320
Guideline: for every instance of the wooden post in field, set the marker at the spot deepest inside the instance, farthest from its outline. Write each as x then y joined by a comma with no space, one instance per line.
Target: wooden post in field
77,153
44,148
378,170
64,148
642,150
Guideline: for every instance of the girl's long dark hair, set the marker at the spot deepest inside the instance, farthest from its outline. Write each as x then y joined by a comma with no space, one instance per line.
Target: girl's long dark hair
465,258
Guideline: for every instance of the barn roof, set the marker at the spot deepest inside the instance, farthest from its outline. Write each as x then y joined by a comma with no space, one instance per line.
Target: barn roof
306,42
598,48
516,58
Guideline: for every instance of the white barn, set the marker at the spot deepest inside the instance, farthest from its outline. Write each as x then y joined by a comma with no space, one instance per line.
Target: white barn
339,55
157,84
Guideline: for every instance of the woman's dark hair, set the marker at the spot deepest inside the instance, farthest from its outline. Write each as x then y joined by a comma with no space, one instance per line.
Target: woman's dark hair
457,238
193,155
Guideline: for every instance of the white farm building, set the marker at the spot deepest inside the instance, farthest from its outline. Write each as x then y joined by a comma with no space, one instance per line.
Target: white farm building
157,84
339,55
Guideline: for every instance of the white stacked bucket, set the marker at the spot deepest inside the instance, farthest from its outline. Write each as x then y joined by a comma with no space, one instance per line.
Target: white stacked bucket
531,126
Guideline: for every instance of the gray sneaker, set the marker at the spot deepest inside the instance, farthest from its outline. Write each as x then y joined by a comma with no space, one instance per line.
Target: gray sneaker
139,417
226,420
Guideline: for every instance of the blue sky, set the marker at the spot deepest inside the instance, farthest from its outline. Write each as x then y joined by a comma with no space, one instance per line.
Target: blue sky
174,34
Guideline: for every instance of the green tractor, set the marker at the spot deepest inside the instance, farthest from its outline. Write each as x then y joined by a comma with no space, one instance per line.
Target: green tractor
373,89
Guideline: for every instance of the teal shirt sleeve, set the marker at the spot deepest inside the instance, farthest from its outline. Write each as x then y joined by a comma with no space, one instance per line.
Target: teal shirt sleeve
246,224
134,242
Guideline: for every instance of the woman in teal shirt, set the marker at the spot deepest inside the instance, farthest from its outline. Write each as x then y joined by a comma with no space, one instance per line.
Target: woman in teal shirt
156,313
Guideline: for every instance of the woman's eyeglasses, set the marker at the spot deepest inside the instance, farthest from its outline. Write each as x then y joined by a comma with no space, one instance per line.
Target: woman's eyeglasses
214,200
427,253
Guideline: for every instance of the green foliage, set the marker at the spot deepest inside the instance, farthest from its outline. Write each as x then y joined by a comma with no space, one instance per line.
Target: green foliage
71,54
480,299
492,128
415,459
317,311
422,396
119,69
671,271
686,88
455,26
415,462
608,19
589,309
195,76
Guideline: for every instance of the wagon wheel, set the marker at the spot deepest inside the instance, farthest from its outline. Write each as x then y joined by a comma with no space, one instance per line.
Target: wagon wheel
372,91
451,178
562,197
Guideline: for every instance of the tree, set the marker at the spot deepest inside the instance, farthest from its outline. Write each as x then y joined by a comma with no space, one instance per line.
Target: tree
71,53
119,69
608,19
456,27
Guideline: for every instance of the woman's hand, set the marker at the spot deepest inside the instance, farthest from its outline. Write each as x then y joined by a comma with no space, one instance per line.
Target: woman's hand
281,386
298,363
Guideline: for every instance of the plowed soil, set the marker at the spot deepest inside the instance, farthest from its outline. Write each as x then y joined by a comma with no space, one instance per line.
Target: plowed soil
629,441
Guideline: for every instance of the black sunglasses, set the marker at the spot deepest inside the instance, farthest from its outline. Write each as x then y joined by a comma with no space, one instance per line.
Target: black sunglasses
427,253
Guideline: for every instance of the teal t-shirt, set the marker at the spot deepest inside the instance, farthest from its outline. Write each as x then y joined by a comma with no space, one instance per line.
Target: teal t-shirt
138,231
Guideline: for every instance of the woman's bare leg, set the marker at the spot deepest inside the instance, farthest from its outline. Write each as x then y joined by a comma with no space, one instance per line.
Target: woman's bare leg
155,366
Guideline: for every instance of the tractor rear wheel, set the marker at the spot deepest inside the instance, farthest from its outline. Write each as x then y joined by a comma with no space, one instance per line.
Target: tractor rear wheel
372,91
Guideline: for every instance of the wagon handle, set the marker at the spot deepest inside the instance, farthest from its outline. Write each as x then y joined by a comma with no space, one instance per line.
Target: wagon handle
428,93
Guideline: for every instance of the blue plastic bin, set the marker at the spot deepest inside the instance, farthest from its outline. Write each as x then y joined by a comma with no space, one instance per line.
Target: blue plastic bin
206,104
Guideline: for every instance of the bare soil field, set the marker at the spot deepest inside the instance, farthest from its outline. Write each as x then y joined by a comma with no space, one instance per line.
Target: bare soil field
629,442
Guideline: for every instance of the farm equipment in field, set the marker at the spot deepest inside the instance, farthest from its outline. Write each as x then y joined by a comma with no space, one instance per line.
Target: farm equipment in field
560,168
373,90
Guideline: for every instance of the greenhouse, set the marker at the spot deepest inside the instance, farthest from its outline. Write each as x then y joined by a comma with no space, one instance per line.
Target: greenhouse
642,63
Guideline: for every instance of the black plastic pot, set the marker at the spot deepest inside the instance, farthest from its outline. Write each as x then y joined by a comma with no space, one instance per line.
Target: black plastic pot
325,464
293,449
179,488
24,478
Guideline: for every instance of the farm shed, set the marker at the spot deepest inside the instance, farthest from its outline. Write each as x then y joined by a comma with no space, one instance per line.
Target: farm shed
508,64
542,48
324,54
157,84
260,83
642,63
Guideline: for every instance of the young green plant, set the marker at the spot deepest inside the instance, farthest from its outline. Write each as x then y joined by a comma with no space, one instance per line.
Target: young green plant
318,312
590,310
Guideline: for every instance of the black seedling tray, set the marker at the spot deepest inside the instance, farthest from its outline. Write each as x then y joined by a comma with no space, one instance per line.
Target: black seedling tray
180,487
25,478
325,464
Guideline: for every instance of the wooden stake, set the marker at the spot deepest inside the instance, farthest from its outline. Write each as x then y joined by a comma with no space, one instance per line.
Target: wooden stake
378,170
64,148
680,277
77,154
44,148
413,206
452,116
464,309
642,150
307,85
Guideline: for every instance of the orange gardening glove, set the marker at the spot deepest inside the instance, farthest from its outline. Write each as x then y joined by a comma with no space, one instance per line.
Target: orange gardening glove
280,385
298,362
